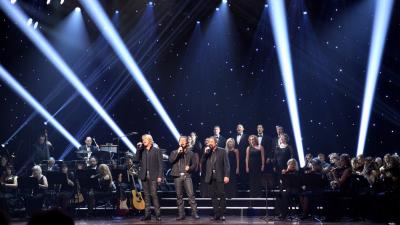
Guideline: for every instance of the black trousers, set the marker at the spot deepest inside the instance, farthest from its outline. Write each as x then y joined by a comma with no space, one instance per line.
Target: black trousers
150,189
216,190
186,183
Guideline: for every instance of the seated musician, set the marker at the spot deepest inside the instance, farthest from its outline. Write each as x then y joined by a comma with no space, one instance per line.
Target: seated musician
52,166
34,201
67,189
92,163
125,175
288,192
104,188
313,191
9,184
89,147
342,173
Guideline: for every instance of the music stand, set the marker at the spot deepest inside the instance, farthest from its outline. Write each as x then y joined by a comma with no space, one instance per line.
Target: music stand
291,184
315,184
27,185
56,178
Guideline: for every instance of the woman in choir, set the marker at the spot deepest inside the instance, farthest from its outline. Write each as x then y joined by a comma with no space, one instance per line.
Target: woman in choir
255,162
233,155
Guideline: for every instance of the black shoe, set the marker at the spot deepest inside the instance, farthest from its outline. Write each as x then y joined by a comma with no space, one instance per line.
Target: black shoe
145,218
180,218
195,216
223,218
215,218
158,218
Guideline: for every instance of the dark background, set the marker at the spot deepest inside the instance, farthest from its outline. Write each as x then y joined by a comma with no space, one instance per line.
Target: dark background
222,71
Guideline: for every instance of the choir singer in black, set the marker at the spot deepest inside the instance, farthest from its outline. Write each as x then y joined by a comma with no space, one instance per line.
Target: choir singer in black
183,164
217,174
150,173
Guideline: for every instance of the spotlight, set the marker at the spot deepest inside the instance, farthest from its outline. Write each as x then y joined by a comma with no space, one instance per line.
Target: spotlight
13,1
19,18
279,28
77,9
45,123
305,12
48,2
17,87
35,25
29,22
116,12
151,3
266,6
217,9
98,15
198,22
3,145
224,1
61,2
383,10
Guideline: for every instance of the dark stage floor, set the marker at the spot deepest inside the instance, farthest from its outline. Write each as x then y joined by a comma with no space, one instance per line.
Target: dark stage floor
204,220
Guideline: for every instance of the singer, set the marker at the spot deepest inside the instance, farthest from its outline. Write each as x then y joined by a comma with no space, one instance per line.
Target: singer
150,173
217,174
183,164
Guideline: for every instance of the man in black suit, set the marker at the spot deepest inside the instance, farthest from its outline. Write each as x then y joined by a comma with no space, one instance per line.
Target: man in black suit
89,148
242,142
183,164
150,173
217,174
221,141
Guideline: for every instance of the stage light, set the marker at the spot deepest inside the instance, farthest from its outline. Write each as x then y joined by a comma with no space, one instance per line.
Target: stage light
116,12
61,2
13,1
383,10
77,9
151,3
217,9
224,1
198,22
48,2
279,28
305,12
8,79
98,15
15,13
3,145
45,123
35,25
29,22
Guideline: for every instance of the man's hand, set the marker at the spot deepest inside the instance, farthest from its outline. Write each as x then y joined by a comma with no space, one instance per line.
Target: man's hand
186,168
247,170
226,180
237,171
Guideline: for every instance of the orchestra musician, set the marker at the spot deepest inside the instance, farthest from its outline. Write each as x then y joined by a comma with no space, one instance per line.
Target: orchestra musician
183,165
9,184
103,189
52,166
88,148
217,174
41,149
67,189
150,173
34,201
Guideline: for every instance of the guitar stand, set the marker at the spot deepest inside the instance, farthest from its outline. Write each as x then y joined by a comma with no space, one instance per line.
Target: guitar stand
267,217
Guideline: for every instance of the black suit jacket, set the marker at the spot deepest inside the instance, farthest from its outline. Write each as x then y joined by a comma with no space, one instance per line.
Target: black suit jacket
221,141
189,159
155,166
221,165
244,142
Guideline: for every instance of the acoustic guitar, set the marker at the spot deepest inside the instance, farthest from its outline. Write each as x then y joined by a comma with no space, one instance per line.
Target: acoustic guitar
137,199
122,207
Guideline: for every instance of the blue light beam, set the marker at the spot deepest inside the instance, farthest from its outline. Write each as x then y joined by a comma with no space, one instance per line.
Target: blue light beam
17,87
279,28
105,26
19,18
381,23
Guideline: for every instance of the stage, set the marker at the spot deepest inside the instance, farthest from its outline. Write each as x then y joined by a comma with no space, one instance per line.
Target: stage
203,220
